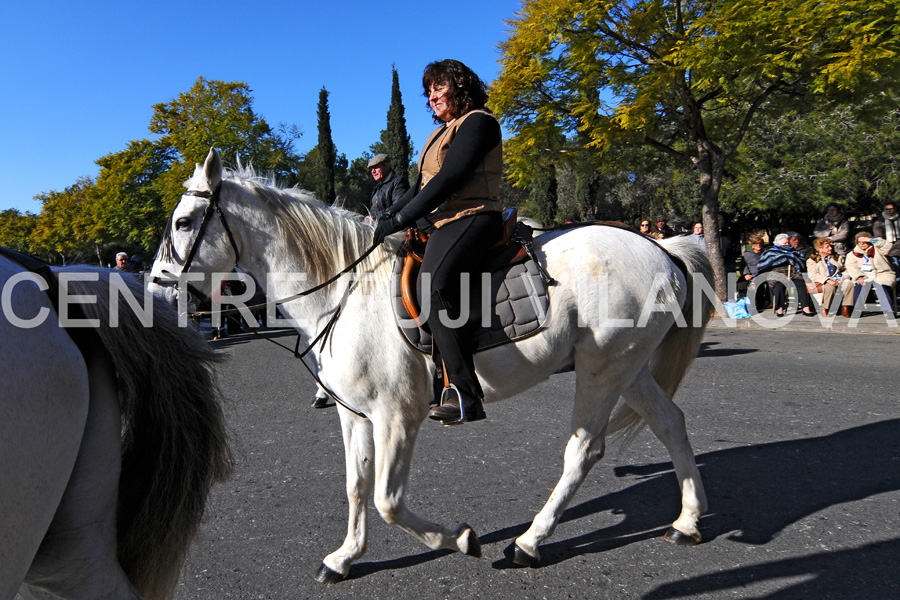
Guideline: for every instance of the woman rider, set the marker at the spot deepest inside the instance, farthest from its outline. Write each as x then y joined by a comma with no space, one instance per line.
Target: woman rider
456,201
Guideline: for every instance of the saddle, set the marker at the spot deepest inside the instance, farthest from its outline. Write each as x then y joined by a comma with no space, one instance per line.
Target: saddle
518,290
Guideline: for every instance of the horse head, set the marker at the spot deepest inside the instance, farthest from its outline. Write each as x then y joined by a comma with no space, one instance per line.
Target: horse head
197,241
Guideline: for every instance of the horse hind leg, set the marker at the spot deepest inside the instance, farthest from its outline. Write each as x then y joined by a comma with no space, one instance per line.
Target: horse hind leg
77,558
43,408
594,401
666,421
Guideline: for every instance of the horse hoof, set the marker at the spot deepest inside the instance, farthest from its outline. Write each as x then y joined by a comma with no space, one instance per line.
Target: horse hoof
467,540
681,539
516,555
327,575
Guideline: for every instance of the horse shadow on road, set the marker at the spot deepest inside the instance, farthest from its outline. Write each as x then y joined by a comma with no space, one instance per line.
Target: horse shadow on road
706,350
755,492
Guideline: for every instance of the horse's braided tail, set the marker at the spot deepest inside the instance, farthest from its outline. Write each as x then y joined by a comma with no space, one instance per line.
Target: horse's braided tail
174,441
676,353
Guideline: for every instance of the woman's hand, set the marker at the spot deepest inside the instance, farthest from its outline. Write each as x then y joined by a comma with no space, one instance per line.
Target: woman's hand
384,228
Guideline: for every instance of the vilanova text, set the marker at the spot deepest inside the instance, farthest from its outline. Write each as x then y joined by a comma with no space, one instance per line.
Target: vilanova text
662,298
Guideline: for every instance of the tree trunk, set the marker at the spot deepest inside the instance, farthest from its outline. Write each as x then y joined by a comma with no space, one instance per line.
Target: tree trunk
711,165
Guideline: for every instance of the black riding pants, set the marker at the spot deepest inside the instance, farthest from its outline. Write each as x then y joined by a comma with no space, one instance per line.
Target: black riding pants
457,247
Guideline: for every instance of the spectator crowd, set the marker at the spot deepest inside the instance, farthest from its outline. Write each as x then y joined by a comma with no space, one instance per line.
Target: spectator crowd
835,273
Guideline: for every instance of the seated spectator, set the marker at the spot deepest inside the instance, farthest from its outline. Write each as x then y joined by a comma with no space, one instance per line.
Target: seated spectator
783,259
836,228
649,231
799,245
826,270
662,228
758,294
868,263
887,226
697,236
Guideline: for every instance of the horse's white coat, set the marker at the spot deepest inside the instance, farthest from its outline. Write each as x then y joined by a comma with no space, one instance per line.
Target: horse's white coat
57,514
368,365
73,407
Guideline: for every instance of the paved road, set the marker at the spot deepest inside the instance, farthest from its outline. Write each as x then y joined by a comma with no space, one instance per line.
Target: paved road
797,436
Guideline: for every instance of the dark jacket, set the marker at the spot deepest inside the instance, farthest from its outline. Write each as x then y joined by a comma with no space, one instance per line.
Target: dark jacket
879,229
387,192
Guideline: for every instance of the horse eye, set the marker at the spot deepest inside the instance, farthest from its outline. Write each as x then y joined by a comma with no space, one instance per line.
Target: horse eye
183,223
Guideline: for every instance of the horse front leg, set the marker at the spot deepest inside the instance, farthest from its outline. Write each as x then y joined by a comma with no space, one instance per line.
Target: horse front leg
666,421
359,454
395,439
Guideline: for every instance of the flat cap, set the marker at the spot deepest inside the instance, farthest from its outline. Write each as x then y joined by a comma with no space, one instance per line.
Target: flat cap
378,159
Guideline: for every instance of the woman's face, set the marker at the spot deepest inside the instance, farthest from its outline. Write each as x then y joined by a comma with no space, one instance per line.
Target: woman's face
645,227
757,247
826,250
438,99
864,243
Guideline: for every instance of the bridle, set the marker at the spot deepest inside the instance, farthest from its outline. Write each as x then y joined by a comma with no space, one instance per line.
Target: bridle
171,279
174,280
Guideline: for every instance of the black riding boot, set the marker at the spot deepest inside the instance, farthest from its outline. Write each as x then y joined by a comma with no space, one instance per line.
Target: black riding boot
461,402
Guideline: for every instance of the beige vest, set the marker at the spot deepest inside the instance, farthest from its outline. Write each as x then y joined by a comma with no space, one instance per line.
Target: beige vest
480,193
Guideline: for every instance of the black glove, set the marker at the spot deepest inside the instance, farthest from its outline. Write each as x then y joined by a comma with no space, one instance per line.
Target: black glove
386,227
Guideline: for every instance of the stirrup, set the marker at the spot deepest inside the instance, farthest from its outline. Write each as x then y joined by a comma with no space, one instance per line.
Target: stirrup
454,413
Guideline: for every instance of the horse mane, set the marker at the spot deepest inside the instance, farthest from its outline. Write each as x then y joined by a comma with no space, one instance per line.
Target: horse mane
327,237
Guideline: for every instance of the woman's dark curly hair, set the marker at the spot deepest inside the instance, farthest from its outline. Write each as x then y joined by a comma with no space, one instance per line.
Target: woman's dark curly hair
467,91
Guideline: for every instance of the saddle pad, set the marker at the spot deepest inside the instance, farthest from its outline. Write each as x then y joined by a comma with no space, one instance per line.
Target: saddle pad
521,308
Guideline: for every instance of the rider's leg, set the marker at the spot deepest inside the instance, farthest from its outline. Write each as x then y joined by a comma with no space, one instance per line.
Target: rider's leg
455,248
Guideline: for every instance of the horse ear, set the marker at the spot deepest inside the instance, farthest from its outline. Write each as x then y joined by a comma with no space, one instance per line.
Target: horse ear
212,169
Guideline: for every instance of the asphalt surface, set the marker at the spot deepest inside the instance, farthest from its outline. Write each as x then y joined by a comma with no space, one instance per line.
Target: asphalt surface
796,432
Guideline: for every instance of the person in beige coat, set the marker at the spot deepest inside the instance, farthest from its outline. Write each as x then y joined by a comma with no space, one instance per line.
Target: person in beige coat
826,269
868,263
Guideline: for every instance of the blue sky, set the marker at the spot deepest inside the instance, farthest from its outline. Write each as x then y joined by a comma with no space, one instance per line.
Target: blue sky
81,78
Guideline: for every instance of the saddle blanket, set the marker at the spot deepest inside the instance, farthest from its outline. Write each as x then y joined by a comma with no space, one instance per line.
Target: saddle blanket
520,307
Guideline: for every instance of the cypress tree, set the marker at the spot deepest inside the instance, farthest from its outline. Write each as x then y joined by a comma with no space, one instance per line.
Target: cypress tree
327,154
395,138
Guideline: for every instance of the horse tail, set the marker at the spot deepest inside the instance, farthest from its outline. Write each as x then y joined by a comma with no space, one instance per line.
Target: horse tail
174,440
679,347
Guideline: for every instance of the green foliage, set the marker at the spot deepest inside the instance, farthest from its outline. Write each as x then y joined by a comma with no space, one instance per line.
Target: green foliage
130,198
678,75
327,154
16,228
219,114
395,139
684,78
800,162
66,227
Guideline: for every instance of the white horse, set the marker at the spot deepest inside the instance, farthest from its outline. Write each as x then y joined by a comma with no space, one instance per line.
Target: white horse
111,437
618,347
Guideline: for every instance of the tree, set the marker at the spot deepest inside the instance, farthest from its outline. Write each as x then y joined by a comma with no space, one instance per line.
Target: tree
687,78
218,113
811,156
16,228
327,154
395,138
131,203
66,227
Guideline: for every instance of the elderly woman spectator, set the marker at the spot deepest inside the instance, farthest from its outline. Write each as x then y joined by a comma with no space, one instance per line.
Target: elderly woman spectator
868,263
783,259
826,270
